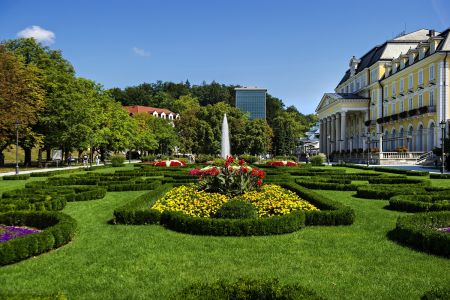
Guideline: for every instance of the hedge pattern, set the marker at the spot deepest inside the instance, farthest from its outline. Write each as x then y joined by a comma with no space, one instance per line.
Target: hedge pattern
16,177
418,231
420,203
58,229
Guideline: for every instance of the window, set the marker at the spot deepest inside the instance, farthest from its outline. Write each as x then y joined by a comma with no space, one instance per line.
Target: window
410,81
393,108
352,87
431,102
357,84
410,103
386,91
420,100
393,89
342,90
431,72
421,77
346,89
385,110
402,85
374,75
402,108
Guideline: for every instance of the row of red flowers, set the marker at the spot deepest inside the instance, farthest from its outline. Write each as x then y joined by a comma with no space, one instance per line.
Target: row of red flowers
282,163
170,163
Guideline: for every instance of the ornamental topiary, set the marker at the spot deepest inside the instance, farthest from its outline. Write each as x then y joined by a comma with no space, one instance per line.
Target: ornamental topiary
317,160
117,160
237,209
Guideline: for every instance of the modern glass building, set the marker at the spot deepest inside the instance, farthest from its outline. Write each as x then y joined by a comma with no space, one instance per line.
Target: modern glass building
252,100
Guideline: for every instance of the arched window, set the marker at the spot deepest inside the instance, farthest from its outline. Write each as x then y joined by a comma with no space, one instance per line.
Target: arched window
400,138
410,138
431,136
393,133
419,138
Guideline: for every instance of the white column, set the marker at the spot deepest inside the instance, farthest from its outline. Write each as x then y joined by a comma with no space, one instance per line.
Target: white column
338,133
343,129
333,133
328,134
322,130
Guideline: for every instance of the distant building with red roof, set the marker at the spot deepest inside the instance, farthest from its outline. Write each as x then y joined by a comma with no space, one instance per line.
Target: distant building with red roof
162,113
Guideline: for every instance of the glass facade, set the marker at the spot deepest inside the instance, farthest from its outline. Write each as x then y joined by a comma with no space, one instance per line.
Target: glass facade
252,101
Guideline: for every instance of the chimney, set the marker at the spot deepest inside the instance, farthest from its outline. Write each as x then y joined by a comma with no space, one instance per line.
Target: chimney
431,33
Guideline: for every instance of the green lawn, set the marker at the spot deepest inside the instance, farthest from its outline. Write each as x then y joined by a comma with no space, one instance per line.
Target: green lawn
149,262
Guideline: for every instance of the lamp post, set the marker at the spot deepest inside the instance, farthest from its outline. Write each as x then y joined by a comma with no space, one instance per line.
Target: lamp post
442,124
328,149
17,147
368,148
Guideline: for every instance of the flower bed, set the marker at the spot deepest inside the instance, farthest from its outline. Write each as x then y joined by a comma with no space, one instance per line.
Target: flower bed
11,232
168,163
282,163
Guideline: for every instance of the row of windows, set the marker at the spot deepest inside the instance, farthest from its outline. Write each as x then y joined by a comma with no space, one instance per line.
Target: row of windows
410,104
420,81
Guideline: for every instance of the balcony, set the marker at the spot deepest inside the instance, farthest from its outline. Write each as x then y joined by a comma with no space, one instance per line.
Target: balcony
405,114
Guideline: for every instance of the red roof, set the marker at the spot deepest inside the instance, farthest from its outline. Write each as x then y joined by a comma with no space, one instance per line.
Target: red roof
136,109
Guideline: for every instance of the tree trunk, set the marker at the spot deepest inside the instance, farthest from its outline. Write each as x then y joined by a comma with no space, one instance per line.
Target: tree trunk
2,159
27,161
40,158
49,154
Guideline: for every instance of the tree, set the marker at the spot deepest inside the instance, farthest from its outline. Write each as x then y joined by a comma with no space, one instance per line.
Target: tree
145,139
165,134
258,137
21,99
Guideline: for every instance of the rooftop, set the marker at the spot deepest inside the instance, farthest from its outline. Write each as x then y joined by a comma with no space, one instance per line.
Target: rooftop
250,88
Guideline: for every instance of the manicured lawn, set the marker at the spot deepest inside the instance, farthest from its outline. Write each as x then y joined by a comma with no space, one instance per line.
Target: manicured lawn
149,262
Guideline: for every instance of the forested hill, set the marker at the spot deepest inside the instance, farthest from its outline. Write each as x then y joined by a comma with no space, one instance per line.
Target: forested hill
164,95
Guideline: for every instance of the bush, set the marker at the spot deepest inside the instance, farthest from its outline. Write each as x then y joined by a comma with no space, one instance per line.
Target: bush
16,177
180,222
117,160
203,158
419,231
386,191
149,158
420,203
247,289
251,159
318,160
237,209
320,185
439,176
58,229
397,180
437,294
290,157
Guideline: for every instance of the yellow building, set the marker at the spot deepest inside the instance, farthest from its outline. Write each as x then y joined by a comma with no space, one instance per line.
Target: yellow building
392,99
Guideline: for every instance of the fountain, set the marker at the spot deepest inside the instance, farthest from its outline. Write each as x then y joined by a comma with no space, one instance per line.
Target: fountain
225,149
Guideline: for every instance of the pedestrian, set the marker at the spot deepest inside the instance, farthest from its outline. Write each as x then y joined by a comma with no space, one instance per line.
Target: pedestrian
97,160
307,158
85,160
69,159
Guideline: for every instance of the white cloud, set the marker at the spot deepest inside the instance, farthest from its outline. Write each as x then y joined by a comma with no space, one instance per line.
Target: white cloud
141,52
38,33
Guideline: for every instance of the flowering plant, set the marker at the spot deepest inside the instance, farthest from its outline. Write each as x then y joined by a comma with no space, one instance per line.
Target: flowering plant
169,163
232,178
282,163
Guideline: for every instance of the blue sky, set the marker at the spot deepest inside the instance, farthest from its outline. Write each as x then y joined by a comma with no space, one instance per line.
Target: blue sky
296,49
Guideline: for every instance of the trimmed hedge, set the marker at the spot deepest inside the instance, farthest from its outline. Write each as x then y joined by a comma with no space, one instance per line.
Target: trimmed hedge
442,293
181,222
138,211
439,176
16,177
58,229
397,180
321,185
56,172
418,231
331,212
386,191
420,203
384,169
245,289
134,186
22,296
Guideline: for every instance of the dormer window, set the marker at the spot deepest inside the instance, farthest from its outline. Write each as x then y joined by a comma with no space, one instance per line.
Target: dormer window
412,56
394,68
422,51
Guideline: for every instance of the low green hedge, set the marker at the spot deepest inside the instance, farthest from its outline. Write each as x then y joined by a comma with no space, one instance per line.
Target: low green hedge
384,169
439,176
138,211
442,293
37,203
134,186
420,203
321,185
418,231
22,296
386,191
331,212
86,194
16,177
181,222
58,229
245,289
397,180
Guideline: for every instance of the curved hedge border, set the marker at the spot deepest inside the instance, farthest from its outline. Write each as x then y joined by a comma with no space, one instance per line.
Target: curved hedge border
331,212
16,177
439,176
323,185
58,229
180,222
138,211
419,203
245,289
398,180
384,169
418,231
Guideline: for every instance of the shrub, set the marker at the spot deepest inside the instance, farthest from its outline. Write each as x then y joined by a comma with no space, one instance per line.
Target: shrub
203,158
16,177
181,222
245,289
237,209
320,185
420,203
439,176
290,157
318,160
149,158
117,160
58,229
386,191
419,231
251,159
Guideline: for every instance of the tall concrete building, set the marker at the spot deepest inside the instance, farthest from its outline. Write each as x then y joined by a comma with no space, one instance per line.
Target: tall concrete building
252,100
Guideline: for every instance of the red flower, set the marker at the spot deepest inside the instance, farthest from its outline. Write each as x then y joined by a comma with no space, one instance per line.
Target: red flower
244,170
195,172
241,162
160,164
259,182
291,164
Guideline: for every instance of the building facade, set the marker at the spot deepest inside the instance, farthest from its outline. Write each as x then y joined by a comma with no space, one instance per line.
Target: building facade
252,100
392,99
156,112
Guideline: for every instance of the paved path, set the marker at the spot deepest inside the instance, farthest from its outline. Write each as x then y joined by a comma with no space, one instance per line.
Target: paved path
56,169
411,168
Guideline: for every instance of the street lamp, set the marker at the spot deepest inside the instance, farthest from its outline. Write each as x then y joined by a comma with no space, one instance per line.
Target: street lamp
328,149
442,124
17,147
368,148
